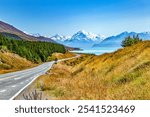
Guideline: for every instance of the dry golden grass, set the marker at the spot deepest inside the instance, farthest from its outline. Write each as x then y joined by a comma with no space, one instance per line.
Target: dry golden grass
61,56
12,62
124,74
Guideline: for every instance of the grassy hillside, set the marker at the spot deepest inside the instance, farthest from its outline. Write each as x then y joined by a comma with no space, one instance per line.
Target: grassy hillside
11,62
33,51
124,74
61,56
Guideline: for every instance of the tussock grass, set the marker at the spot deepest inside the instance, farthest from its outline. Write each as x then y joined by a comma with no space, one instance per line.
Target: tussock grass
123,74
12,62
61,56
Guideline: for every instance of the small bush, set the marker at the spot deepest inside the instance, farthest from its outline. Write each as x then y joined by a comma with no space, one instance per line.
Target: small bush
5,66
3,48
34,95
78,71
130,41
59,92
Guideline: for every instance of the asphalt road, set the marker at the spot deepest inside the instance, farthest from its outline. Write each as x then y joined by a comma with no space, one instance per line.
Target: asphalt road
12,84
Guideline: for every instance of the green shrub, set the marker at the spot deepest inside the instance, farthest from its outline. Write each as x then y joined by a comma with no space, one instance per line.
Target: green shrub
130,41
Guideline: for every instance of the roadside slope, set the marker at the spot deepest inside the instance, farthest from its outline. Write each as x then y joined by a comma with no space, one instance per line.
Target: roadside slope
123,74
12,62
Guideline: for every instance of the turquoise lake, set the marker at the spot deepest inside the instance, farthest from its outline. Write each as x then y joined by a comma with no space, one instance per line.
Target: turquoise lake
97,51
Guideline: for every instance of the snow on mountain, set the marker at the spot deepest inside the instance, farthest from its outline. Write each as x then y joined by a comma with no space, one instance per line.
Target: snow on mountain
60,38
41,37
115,41
35,34
81,39
83,35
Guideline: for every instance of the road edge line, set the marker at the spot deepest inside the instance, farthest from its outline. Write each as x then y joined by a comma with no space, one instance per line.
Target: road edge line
12,98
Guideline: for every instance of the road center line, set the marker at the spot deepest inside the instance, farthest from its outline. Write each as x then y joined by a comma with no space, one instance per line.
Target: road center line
17,78
21,83
13,86
2,91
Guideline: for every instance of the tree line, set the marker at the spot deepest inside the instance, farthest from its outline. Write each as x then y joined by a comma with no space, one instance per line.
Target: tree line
34,51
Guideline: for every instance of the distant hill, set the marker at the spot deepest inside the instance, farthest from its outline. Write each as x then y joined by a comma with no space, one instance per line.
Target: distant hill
45,39
12,62
14,33
12,36
9,29
115,41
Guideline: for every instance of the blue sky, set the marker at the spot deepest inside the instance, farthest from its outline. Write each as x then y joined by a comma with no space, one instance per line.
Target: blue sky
48,17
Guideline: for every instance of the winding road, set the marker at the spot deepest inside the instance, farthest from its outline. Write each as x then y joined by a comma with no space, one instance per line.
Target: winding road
12,84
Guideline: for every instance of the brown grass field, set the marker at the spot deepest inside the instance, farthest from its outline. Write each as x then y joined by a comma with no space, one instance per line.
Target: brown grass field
10,62
61,56
121,75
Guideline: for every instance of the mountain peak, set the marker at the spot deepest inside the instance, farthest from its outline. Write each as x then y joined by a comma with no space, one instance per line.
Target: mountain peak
83,32
79,39
33,34
124,33
83,35
147,32
59,37
115,41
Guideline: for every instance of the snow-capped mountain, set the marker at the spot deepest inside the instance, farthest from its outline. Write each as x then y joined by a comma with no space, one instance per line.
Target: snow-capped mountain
81,39
42,38
83,35
115,41
35,34
59,38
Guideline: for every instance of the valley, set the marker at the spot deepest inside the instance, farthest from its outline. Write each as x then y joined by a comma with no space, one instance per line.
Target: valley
102,70
120,75
87,40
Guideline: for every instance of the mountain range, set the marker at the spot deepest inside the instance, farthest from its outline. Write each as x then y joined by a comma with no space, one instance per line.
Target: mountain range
115,41
12,32
81,39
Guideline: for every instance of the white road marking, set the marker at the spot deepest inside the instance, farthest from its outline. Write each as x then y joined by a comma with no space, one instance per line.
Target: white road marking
2,91
27,80
13,86
21,83
24,87
17,78
35,76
